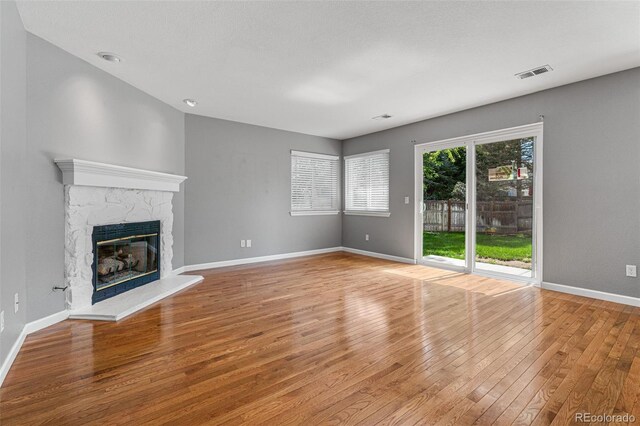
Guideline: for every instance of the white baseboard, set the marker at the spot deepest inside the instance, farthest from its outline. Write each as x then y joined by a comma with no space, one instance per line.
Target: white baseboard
29,328
379,255
178,271
45,322
11,356
248,260
594,294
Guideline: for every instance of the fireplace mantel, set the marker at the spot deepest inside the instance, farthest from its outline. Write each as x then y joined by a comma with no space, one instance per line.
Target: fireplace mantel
97,194
91,173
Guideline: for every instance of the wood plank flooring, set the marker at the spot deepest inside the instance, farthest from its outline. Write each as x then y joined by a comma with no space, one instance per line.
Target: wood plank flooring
335,339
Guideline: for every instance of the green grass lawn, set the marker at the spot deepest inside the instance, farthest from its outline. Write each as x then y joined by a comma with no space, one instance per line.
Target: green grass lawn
498,247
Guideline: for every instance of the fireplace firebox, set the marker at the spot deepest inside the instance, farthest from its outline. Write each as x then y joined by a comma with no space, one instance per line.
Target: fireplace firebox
125,256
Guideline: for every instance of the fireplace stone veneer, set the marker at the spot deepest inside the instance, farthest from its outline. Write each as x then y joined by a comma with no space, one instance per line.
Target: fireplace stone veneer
88,206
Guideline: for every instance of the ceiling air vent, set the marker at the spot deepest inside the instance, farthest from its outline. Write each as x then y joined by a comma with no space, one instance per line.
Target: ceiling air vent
534,72
381,117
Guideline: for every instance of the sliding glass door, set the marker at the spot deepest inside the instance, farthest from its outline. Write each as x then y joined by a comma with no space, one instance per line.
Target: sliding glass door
444,236
504,194
480,203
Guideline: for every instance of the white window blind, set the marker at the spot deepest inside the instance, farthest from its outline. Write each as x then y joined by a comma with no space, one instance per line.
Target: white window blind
315,183
367,183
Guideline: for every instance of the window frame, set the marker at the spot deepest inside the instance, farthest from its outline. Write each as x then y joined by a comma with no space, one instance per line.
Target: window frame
312,212
371,212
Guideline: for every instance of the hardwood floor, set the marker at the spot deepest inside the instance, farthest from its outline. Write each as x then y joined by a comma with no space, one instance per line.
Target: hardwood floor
336,338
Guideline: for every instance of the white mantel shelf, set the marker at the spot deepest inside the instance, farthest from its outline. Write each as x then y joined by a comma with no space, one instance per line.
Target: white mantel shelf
91,173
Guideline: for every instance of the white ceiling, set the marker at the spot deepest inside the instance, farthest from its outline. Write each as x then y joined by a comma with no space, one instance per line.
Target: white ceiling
326,68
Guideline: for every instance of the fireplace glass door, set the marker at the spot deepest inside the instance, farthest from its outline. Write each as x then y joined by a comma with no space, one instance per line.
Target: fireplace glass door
124,259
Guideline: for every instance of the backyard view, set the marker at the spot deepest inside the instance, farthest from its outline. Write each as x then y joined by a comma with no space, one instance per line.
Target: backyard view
504,203
509,250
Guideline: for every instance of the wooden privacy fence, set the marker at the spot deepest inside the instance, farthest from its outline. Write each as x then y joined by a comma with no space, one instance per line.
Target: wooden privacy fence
444,215
500,217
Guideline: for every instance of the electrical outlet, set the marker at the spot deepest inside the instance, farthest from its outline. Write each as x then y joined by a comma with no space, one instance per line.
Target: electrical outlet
248,243
1,321
243,244
406,200
631,271
16,303
366,237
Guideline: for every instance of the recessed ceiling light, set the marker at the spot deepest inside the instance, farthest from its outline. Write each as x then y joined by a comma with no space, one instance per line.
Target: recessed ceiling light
111,57
381,117
190,102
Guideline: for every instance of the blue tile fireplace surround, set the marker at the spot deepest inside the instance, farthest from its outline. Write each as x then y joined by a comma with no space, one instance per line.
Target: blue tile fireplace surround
125,256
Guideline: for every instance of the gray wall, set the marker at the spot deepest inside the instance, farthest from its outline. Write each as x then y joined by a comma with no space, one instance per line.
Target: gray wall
12,186
78,111
591,178
239,188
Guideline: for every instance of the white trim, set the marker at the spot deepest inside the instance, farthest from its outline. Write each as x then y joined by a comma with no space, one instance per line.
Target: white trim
470,209
593,294
91,173
248,260
29,328
45,322
366,154
314,155
178,271
461,140
366,213
444,262
379,255
538,228
447,266
11,356
506,277
418,199
313,212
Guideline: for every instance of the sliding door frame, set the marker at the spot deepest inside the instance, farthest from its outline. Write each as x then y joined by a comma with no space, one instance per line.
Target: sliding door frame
420,150
470,142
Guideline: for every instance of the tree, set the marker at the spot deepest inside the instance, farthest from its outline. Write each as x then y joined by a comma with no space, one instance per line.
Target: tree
518,153
442,170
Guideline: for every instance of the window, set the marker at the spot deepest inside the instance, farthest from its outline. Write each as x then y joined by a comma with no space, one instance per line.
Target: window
314,183
367,183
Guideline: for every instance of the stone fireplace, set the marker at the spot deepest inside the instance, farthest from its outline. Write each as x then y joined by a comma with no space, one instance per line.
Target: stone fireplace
118,234
87,207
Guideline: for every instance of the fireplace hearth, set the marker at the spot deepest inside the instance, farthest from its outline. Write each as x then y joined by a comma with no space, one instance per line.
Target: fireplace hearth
126,256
